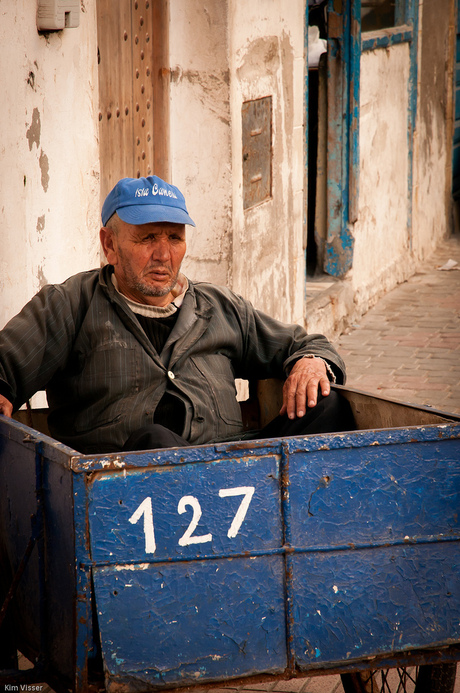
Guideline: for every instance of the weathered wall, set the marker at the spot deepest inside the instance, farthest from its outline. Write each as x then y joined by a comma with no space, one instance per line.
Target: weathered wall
49,192
398,226
267,54
381,232
433,137
390,237
223,54
201,132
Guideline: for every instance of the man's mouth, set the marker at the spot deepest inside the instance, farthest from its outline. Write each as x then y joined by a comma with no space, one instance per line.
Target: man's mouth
158,273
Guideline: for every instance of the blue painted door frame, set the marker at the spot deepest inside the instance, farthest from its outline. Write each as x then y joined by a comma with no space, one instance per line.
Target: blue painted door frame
344,52
343,86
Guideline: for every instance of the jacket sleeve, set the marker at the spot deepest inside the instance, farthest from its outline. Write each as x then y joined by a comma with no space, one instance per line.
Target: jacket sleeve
36,343
272,347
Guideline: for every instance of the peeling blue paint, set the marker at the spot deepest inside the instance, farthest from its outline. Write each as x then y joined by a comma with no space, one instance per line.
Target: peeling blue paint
344,52
349,550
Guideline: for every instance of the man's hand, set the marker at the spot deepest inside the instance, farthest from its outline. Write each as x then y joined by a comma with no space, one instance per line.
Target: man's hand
301,387
6,407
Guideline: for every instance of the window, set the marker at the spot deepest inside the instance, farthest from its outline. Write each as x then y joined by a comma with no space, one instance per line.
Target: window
382,14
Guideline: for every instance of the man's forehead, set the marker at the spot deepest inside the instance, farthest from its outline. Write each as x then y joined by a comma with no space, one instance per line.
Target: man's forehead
160,227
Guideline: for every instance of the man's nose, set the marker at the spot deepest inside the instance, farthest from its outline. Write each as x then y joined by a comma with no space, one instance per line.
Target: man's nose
160,250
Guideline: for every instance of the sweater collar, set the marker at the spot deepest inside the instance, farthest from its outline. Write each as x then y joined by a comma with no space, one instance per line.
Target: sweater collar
149,311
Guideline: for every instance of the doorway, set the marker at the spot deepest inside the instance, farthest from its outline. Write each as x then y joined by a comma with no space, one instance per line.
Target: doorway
133,89
317,136
333,129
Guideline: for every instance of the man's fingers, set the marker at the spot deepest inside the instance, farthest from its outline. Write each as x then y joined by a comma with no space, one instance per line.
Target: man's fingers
301,387
325,386
301,397
295,392
289,399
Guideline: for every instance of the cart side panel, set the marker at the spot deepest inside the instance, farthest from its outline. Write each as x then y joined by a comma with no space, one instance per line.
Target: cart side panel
36,495
17,506
356,604
193,621
60,568
179,600
378,533
186,511
375,493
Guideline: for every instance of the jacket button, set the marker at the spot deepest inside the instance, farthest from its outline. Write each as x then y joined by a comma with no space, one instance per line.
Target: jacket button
171,375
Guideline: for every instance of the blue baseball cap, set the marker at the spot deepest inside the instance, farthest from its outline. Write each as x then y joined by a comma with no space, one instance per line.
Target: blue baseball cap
146,200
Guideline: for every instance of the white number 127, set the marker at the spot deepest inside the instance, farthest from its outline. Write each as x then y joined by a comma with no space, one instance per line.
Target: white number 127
145,509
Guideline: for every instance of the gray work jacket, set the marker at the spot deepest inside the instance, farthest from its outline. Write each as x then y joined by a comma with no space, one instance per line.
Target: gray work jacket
81,343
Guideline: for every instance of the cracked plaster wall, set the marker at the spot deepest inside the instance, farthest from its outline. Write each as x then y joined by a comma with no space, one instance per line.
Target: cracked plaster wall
381,233
49,192
228,53
433,137
388,244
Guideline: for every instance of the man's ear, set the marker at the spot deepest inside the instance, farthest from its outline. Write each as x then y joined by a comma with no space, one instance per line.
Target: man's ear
109,245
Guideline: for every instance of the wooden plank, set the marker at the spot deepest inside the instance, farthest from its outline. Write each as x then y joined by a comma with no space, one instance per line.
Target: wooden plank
133,89
339,246
142,23
115,91
161,89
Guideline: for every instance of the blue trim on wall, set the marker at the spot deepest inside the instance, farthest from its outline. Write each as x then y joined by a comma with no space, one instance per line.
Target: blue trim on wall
344,52
386,38
345,46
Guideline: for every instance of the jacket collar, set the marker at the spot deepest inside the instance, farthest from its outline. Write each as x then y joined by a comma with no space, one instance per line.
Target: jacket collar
193,319
194,316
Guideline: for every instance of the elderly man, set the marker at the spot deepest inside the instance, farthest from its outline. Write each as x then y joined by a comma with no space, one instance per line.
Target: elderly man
136,356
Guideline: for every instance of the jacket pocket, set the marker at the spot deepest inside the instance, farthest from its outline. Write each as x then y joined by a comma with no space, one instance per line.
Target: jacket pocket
217,372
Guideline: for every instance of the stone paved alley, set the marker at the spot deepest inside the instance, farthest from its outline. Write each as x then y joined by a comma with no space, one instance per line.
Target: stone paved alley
407,347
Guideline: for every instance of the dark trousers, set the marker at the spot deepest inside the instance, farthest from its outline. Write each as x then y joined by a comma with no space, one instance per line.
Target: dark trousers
331,414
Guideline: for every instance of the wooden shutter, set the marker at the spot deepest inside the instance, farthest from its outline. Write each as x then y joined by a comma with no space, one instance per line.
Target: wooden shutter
133,89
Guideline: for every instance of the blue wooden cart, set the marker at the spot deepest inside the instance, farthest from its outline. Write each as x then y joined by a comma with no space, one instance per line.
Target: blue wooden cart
274,558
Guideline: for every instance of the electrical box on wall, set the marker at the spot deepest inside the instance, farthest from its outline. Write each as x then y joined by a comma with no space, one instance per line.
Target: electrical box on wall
53,15
257,151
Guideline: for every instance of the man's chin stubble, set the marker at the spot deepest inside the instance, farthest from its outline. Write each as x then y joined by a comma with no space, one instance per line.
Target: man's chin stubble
154,291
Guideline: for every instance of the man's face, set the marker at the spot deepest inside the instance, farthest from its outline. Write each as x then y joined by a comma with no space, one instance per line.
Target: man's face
146,259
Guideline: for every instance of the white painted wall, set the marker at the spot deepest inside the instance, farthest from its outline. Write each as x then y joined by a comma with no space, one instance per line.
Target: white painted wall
49,167
201,132
432,181
391,239
382,248
267,58
222,54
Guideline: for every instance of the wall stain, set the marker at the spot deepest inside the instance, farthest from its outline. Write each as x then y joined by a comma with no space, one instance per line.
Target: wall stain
212,89
261,52
40,224
34,131
44,168
42,280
